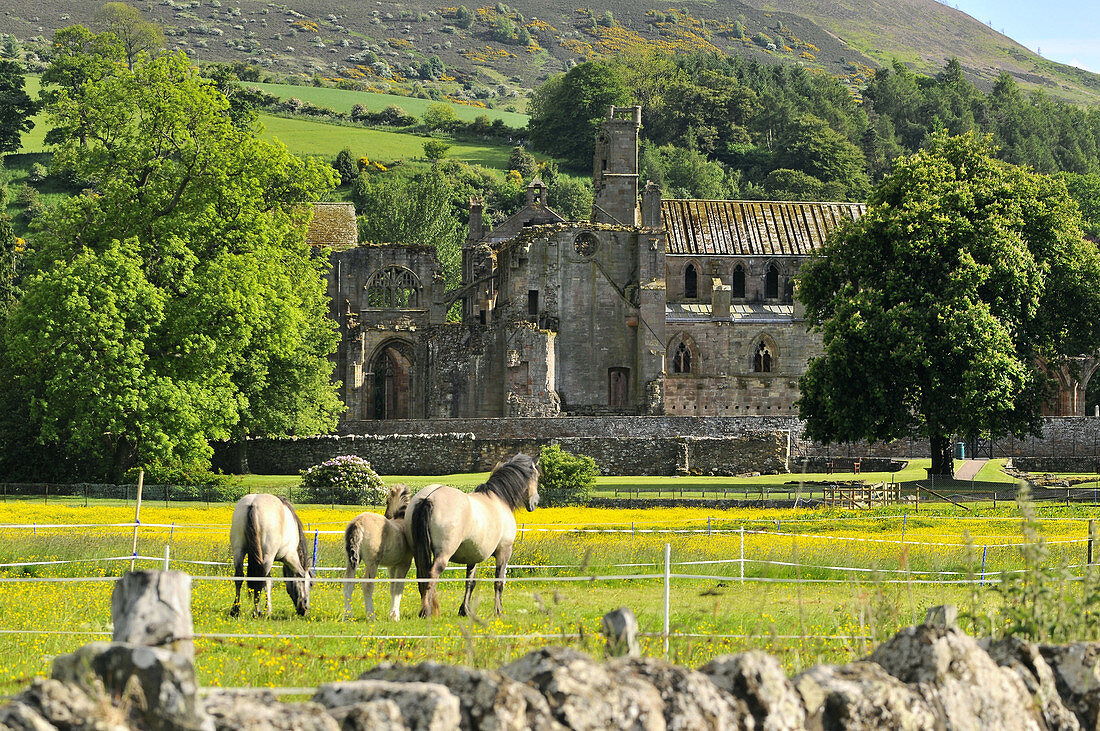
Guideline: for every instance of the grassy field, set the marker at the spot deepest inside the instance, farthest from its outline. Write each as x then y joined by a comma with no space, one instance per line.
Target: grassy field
852,559
307,137
35,139
342,100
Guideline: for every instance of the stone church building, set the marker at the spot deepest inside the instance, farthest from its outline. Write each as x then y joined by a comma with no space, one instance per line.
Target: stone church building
653,306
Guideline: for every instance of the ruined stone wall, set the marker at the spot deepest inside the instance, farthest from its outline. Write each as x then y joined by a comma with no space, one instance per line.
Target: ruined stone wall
446,453
463,377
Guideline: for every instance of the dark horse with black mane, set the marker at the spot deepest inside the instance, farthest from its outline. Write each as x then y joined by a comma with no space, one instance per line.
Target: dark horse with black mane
266,529
445,524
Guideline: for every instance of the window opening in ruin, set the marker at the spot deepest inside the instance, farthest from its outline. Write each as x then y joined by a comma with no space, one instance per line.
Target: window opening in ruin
691,282
392,375
532,302
586,243
771,283
618,387
762,360
737,288
393,288
482,317
681,361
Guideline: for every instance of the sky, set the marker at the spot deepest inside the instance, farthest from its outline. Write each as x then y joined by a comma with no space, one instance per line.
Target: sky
1067,31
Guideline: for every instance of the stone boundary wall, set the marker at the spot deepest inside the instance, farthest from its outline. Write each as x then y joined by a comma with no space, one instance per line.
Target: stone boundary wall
1062,436
1045,465
625,445
446,453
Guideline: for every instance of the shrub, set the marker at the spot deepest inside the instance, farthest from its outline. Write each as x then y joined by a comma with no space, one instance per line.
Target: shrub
345,166
435,150
192,482
565,478
347,480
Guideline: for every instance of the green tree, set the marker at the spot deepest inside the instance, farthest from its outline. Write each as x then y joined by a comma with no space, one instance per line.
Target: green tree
941,305
566,111
203,312
523,162
412,211
809,144
346,166
136,34
435,149
16,107
439,116
79,56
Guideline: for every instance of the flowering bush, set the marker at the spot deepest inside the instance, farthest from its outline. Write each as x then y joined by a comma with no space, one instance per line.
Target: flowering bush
347,480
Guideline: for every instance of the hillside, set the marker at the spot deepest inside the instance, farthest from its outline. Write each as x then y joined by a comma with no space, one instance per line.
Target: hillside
387,45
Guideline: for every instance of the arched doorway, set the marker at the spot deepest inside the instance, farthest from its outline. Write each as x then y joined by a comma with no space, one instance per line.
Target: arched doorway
391,382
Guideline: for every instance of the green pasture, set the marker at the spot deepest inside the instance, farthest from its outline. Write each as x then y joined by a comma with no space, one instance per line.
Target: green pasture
342,100
310,137
873,587
35,139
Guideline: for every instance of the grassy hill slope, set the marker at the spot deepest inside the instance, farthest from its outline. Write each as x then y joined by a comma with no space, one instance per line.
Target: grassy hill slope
379,46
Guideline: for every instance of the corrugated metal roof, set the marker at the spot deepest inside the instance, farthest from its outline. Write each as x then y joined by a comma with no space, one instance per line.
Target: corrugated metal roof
333,224
752,228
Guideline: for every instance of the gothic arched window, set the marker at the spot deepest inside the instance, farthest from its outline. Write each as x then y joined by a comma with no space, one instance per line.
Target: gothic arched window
681,359
771,283
691,282
762,359
737,288
394,288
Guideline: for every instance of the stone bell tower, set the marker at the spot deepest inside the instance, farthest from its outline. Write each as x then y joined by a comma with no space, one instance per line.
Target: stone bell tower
615,172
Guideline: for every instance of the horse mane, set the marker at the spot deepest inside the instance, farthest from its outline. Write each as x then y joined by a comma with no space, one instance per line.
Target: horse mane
304,555
509,481
400,494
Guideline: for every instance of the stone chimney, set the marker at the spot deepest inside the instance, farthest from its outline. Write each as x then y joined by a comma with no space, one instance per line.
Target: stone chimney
477,224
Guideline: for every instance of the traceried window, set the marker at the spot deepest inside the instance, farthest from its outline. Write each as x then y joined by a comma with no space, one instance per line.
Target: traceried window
394,288
771,283
737,288
586,243
762,359
691,282
681,359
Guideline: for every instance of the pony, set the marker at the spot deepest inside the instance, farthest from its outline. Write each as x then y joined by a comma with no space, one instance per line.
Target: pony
445,524
375,540
266,529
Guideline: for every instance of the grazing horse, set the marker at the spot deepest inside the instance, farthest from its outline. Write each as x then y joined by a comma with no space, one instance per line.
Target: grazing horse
375,540
266,529
445,524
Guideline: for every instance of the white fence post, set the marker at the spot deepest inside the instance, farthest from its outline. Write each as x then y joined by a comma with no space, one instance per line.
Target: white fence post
742,562
668,582
167,556
137,518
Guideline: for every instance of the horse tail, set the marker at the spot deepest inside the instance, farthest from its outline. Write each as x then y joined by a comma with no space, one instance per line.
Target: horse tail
353,539
254,548
421,520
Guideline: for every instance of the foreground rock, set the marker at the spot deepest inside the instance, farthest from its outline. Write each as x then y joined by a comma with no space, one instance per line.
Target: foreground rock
928,677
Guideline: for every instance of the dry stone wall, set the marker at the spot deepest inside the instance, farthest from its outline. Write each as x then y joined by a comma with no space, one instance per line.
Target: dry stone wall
447,453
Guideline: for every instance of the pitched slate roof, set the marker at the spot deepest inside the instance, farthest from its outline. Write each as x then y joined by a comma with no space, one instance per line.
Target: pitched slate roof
333,224
752,228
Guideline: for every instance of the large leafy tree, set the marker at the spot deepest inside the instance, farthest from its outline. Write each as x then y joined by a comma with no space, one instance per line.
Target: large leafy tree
77,57
566,110
136,34
941,306
175,301
16,107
